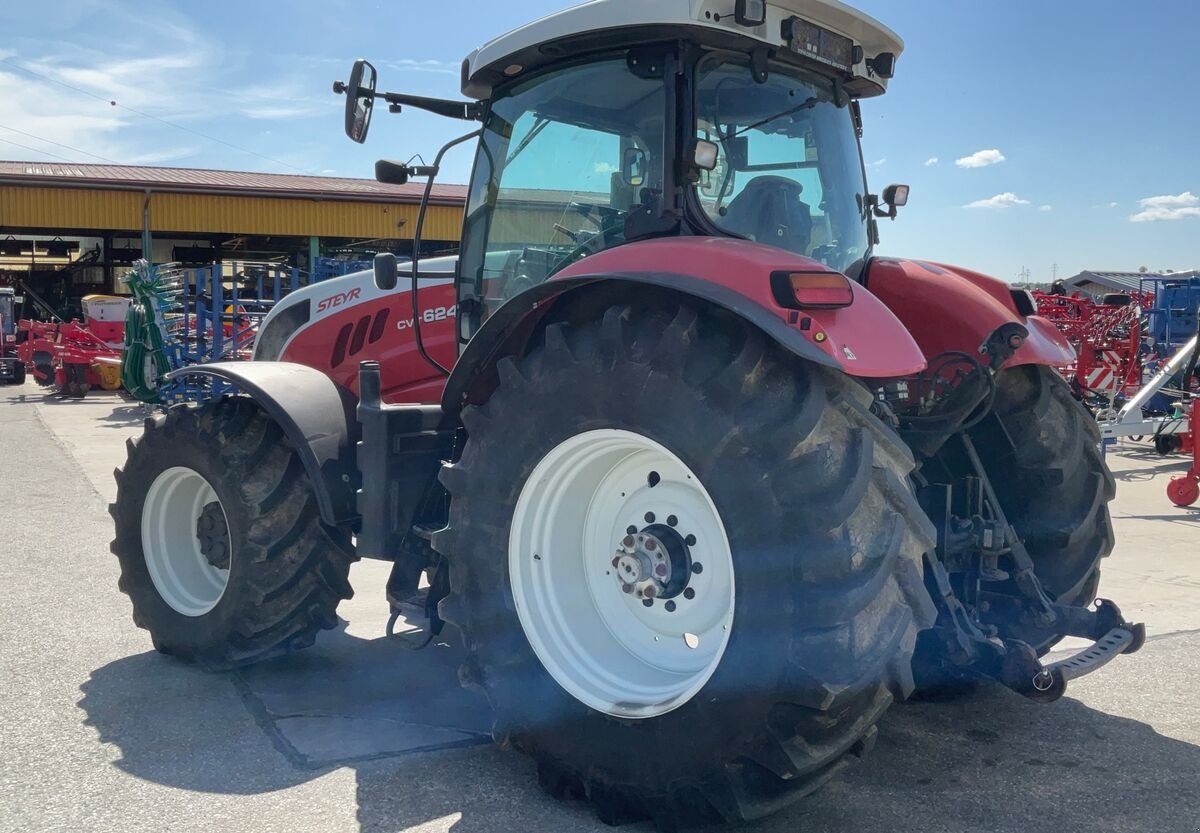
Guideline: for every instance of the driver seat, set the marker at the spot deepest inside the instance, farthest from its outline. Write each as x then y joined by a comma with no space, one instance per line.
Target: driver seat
769,210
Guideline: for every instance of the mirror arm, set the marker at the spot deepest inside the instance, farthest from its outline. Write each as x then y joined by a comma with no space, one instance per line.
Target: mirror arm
464,110
416,250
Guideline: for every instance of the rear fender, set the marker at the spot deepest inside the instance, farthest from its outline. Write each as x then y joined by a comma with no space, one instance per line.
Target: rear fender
948,308
863,339
316,415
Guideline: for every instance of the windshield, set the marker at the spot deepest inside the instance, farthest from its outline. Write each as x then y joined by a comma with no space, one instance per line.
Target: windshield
563,160
788,171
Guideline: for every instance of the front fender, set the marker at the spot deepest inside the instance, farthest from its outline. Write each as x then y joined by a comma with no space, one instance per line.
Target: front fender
316,415
864,339
949,308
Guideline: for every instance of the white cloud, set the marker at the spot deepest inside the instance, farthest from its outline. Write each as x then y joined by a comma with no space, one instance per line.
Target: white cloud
931,161
1045,208
1167,207
1113,204
981,159
1006,200
878,163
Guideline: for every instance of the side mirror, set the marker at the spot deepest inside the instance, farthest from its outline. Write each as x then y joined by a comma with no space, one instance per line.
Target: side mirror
633,167
360,99
386,273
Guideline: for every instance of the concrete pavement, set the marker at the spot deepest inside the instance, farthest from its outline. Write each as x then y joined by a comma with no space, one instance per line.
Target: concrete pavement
363,734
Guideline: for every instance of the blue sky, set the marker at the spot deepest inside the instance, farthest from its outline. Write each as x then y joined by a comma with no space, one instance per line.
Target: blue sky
1089,103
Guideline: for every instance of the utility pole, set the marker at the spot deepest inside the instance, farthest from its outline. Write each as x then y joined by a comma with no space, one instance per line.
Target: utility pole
1054,272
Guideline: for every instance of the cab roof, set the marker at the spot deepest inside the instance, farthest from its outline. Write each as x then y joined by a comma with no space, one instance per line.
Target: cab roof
602,24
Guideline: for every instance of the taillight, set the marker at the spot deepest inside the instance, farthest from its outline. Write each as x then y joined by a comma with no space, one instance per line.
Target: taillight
812,290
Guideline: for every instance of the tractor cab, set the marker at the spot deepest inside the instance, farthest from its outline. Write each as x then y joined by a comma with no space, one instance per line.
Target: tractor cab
619,120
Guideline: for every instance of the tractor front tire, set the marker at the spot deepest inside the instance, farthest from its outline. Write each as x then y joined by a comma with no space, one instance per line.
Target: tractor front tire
221,547
791,591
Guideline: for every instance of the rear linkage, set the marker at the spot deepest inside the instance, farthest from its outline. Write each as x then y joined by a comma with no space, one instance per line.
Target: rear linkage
976,595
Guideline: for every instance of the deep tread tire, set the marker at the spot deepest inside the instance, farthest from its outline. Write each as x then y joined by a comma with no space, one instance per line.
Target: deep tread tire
288,570
827,542
1055,487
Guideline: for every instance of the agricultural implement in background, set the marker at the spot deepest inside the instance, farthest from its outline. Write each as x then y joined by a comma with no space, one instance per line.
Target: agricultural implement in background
1108,341
703,483
182,318
75,356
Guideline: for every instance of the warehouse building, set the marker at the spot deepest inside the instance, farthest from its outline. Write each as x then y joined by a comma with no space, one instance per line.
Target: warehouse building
71,230
1097,283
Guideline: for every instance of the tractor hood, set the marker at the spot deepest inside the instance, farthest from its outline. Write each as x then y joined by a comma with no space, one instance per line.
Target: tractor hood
613,24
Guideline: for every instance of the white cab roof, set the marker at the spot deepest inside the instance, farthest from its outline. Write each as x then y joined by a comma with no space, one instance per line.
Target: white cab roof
501,57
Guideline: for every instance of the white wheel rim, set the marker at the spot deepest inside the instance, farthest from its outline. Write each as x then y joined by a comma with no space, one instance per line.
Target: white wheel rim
178,566
601,643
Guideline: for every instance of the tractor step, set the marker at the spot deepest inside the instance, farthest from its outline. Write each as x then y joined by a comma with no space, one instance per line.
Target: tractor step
1120,640
1046,683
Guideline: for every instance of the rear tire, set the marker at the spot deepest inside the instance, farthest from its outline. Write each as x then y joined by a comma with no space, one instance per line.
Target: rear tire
1054,486
263,586
824,536
19,374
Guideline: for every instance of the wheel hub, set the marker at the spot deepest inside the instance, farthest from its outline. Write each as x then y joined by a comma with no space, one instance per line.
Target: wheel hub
653,563
213,535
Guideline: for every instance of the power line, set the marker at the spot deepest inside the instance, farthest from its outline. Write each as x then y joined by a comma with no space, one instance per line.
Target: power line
149,116
60,144
35,150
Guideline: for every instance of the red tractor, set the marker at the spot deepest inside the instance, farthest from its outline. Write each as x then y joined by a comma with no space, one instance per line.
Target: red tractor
704,484
12,369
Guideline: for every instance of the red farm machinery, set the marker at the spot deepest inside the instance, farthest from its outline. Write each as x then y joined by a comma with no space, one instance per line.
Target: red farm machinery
74,356
693,472
1107,336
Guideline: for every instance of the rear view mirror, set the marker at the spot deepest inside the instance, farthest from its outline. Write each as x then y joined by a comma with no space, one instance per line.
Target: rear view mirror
633,167
360,99
386,271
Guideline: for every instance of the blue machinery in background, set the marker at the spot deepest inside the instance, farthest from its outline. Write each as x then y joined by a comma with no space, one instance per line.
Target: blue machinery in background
1174,316
185,317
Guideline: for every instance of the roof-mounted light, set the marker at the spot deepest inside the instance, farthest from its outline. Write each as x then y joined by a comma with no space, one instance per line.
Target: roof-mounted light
820,44
750,12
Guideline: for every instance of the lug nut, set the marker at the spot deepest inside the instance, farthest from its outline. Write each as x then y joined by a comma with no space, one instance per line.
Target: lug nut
649,517
661,570
627,541
670,607
651,544
651,592
616,562
626,588
631,530
648,602
690,540
672,520
689,594
697,567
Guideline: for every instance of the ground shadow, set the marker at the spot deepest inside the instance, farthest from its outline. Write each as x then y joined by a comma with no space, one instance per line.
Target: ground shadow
990,763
